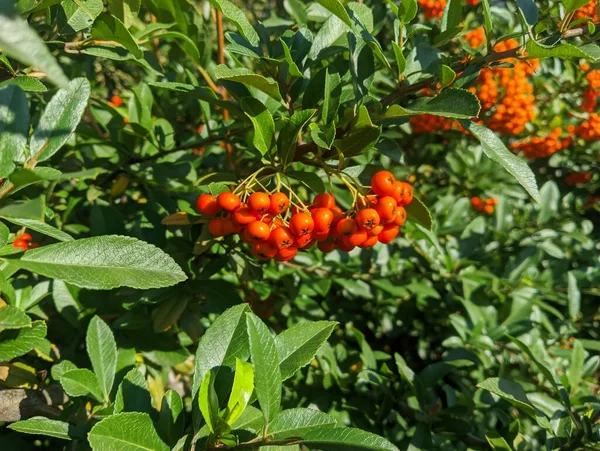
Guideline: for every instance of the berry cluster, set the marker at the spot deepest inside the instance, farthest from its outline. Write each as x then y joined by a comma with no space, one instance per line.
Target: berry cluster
591,93
588,10
544,146
485,206
266,222
578,178
589,130
475,38
24,242
432,8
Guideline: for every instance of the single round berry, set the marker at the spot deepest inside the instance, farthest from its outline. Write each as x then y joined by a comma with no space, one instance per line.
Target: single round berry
228,201
216,226
305,241
264,251
282,237
323,217
257,232
367,218
337,215
284,255
260,202
370,242
375,230
400,218
207,205
386,208
346,227
357,238
403,193
20,244
278,203
382,183
301,224
245,215
488,209
389,232
321,236
116,100
324,201
326,246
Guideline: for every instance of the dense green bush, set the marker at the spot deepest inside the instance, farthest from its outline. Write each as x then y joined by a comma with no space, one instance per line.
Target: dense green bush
132,327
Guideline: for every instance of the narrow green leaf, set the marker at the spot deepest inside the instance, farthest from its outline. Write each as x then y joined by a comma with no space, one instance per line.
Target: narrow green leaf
25,340
297,422
267,375
42,426
42,228
495,149
13,318
572,5
417,211
297,346
400,59
292,66
575,371
103,263
331,99
4,234
243,386
247,77
14,126
133,394
337,8
330,32
564,50
262,121
509,391
25,209
288,136
487,16
171,417
129,431
59,120
125,10
346,438
238,17
453,15
108,28
81,382
451,102
530,10
22,43
102,349
209,402
573,295
497,442
26,83
80,14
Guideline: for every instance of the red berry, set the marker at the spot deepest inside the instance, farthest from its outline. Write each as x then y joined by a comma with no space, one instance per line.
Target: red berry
367,218
301,224
207,205
382,183
260,202
279,203
228,201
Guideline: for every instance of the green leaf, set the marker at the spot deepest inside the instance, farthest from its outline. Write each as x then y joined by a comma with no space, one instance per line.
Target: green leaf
81,382
487,17
103,263
267,375
331,99
243,386
418,211
288,136
447,75
201,93
572,5
133,394
310,179
102,349
362,136
209,402
14,126
25,340
262,121
400,59
549,200
59,119
292,66
13,318
247,77
224,342
530,10
80,14
329,32
22,43
348,439
322,138
495,149
573,296
453,15
42,228
129,431
125,10
297,422
451,102
108,28
297,346
575,371
565,51
4,234
337,8
509,391
171,417
185,42
497,442
25,209
26,83
238,17
42,426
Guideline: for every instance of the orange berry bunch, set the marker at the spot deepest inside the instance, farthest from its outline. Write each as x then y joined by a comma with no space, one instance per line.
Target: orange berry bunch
432,8
485,206
588,10
591,93
273,231
486,89
589,129
475,38
578,178
429,123
24,241
544,146
589,100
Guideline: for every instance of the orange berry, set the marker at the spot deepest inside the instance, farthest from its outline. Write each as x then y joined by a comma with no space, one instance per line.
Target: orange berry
375,230
346,227
264,251
357,238
367,218
279,203
400,218
207,205
305,241
388,234
323,217
282,237
260,202
301,224
21,244
326,246
343,246
337,215
386,208
382,183
403,193
230,226
216,226
245,215
488,209
116,101
370,242
284,255
257,232
321,236
228,201
25,237
324,200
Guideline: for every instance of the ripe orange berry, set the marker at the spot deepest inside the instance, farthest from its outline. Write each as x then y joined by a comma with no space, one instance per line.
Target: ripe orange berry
337,215
230,226
400,218
375,230
216,226
346,227
228,201
116,100
279,203
301,224
260,202
326,246
207,205
282,237
321,236
21,244
386,207
324,200
25,237
382,183
492,201
403,193
305,241
357,238
323,217
284,255
257,232
388,234
367,201
264,251
488,209
245,215
476,203
367,218
343,246
370,242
